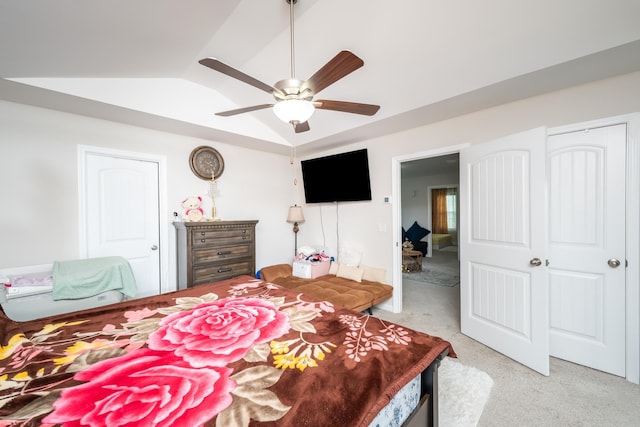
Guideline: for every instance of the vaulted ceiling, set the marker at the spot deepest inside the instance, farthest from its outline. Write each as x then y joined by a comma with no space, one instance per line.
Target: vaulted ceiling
424,60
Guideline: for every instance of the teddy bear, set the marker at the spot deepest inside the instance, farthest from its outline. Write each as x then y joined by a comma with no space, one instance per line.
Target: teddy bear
192,210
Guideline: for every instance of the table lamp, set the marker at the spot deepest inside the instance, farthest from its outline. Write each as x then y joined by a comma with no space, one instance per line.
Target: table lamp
295,216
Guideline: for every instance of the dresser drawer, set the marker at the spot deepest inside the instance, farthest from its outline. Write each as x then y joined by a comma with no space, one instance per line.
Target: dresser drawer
208,255
222,237
215,273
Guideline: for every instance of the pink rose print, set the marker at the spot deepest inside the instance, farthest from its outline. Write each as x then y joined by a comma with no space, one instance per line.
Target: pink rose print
133,316
144,388
219,332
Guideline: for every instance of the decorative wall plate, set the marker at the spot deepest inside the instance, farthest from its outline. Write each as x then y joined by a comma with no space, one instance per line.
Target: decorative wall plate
206,163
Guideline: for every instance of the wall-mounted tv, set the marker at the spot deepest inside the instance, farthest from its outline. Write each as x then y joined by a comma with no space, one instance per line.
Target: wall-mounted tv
337,178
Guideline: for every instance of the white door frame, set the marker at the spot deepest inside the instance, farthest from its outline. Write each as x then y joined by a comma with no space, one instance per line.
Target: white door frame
632,121
396,212
161,161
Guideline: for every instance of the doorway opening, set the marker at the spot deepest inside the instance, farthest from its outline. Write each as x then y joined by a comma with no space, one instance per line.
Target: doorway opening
429,194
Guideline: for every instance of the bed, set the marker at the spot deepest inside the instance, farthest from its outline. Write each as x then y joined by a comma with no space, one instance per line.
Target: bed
241,352
440,241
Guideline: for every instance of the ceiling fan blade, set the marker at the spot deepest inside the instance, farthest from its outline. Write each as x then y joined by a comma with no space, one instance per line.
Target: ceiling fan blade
347,107
342,64
223,68
243,110
301,127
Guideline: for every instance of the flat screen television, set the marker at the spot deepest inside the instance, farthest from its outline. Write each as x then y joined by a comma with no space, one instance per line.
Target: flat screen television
337,178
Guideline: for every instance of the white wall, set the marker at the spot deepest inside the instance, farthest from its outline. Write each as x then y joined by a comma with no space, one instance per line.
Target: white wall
357,226
38,184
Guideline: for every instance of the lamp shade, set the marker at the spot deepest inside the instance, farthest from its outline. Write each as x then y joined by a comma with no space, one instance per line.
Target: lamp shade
293,110
295,214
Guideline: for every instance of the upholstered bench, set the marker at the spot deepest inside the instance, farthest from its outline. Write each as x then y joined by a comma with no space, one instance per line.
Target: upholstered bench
346,292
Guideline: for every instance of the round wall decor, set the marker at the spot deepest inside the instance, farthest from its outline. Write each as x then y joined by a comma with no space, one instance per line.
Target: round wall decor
206,163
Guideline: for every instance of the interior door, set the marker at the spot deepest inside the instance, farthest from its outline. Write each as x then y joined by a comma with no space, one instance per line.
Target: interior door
587,247
503,290
122,197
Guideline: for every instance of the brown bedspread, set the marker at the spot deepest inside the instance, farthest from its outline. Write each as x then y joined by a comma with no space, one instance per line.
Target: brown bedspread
234,353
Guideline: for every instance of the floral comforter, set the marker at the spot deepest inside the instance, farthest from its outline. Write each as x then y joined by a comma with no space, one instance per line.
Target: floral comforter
235,353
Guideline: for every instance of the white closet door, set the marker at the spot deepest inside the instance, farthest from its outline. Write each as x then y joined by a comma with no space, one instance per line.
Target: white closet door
503,289
587,247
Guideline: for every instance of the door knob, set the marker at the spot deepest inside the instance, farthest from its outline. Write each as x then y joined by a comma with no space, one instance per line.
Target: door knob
613,263
154,248
536,262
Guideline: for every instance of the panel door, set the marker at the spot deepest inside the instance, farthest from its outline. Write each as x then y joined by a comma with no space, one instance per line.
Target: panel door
503,290
587,247
123,215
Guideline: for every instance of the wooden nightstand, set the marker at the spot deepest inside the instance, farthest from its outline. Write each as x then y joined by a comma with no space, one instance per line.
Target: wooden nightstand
412,260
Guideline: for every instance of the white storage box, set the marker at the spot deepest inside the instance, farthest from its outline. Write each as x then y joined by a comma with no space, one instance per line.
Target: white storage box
310,270
30,294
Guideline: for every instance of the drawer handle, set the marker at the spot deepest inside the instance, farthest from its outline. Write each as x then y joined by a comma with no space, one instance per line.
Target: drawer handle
202,233
224,252
224,270
203,240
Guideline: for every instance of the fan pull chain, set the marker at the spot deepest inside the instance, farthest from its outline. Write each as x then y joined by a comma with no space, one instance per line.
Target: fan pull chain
292,160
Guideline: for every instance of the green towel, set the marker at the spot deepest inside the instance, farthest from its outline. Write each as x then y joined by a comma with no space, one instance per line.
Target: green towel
85,278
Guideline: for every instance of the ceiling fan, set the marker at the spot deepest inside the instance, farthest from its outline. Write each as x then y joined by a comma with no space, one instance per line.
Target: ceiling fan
294,101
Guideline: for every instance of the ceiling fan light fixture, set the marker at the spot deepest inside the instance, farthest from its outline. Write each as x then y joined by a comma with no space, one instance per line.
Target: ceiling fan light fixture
293,97
293,110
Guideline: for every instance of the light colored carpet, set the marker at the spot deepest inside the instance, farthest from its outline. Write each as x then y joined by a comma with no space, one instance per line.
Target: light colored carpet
442,268
462,393
572,395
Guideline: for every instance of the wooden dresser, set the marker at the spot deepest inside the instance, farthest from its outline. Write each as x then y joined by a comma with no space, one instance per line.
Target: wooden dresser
213,251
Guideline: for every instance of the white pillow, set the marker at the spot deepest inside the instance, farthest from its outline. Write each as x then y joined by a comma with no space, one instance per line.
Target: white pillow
351,273
350,256
374,274
333,268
